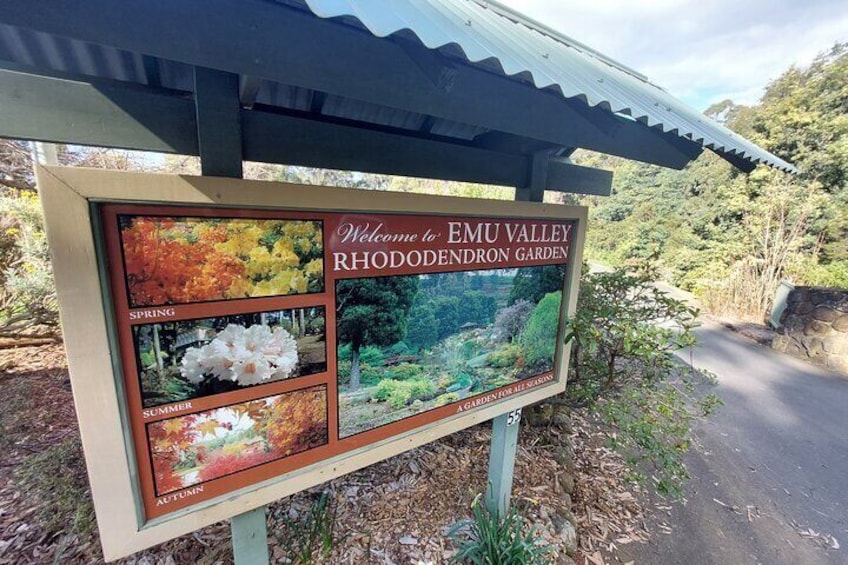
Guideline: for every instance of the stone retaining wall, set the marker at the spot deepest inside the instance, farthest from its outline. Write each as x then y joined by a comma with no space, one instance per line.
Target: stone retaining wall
814,326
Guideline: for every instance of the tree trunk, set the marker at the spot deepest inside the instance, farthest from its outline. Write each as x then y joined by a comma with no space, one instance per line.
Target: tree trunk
157,349
354,368
302,323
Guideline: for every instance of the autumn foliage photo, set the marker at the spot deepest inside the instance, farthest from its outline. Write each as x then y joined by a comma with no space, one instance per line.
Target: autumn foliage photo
197,448
179,260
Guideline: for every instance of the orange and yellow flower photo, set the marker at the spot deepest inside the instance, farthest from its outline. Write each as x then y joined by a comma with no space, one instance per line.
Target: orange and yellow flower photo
180,260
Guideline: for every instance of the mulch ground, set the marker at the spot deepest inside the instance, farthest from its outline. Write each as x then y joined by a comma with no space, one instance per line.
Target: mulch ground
394,512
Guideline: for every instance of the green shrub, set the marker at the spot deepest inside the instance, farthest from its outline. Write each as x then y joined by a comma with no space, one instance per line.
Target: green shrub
400,393
372,355
369,375
504,357
488,539
343,371
539,338
623,337
405,372
315,325
27,291
400,348
446,398
344,352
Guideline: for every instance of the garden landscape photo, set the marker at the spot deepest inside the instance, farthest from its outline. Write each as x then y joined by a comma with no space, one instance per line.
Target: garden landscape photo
408,344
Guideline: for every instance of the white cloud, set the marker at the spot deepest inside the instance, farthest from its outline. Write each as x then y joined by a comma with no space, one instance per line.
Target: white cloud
701,51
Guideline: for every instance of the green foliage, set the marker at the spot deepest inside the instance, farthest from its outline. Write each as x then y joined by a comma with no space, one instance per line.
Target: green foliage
400,393
315,325
56,480
27,293
405,372
488,539
538,341
373,311
504,357
623,336
446,398
651,425
448,311
400,348
373,356
423,332
312,538
731,237
533,283
622,317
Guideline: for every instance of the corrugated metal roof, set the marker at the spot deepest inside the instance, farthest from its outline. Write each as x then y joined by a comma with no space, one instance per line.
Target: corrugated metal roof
492,35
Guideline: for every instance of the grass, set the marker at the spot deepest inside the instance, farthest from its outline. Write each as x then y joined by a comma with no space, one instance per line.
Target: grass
488,539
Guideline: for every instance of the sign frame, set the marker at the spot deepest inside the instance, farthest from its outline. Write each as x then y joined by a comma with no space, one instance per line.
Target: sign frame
70,197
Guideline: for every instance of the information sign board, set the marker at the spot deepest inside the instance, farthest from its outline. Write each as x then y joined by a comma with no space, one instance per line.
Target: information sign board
232,342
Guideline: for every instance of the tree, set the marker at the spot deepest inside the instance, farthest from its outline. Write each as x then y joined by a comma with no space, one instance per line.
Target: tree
448,311
423,330
372,311
539,339
533,283
510,321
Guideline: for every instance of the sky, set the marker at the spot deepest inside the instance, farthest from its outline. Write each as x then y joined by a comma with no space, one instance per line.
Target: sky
701,51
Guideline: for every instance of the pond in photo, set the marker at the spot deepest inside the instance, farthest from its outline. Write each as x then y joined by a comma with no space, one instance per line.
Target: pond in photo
408,344
194,358
179,260
193,449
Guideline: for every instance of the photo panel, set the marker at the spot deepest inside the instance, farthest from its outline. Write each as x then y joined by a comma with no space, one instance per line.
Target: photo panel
409,344
181,260
190,450
188,359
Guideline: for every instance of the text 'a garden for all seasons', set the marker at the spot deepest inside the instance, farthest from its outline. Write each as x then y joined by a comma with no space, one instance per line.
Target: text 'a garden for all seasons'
408,344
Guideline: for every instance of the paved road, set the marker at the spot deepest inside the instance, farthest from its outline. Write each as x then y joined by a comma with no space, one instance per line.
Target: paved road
778,447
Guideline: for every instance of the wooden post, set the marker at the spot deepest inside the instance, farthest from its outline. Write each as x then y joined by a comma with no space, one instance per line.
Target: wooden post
219,136
505,427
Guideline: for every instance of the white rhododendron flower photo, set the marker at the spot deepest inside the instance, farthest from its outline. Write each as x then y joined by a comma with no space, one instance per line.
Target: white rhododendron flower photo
246,356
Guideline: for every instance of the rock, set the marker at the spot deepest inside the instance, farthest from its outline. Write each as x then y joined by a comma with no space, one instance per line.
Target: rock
803,308
564,455
539,415
568,538
562,418
566,481
815,346
564,559
824,314
565,499
408,540
816,327
841,324
417,405
798,295
564,514
836,344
